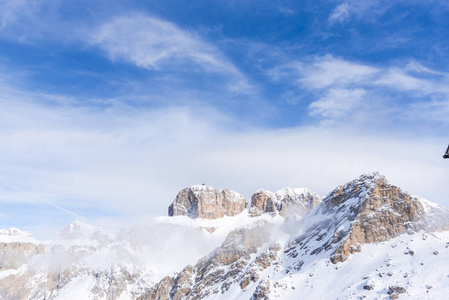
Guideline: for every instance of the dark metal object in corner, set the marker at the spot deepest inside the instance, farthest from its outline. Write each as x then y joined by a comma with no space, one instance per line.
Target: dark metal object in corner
446,155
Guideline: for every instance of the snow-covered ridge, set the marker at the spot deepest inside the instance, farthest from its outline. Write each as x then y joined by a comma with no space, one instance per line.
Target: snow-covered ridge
437,216
287,201
287,192
293,191
14,232
199,189
82,233
16,235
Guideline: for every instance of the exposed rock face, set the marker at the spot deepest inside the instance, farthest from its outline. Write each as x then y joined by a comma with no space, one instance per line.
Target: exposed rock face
42,271
284,202
232,263
263,201
13,255
366,210
202,201
262,291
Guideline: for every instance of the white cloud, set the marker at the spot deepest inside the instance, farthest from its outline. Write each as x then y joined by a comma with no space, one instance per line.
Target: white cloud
152,43
337,104
431,111
29,21
133,162
420,82
360,9
328,71
399,79
340,86
340,13
11,10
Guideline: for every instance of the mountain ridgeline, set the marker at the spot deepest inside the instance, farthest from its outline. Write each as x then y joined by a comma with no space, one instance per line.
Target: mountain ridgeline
202,201
365,239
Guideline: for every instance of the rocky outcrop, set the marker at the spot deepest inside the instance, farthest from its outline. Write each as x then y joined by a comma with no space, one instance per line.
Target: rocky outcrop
202,201
232,263
263,201
366,210
41,271
262,291
14,255
284,202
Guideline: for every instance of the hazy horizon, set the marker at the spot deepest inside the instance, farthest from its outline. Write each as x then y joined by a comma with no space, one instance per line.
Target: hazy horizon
108,109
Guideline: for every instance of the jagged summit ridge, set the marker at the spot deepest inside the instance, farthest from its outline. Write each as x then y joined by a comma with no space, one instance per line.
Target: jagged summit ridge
366,210
202,201
284,202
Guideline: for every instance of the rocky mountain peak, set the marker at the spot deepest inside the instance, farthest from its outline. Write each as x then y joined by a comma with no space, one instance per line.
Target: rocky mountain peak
202,201
263,201
366,210
284,202
355,189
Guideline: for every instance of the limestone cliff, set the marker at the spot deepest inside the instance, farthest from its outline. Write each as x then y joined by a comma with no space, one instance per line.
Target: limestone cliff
238,261
202,201
366,210
284,202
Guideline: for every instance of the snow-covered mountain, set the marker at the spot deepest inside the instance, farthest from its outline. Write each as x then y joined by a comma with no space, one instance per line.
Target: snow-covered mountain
365,239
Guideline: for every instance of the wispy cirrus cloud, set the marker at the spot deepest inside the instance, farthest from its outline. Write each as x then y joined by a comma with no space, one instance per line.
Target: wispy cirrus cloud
337,104
328,71
352,8
156,44
10,11
340,13
341,87
152,43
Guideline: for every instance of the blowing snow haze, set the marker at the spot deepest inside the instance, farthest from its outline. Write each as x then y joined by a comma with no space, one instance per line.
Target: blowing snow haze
110,110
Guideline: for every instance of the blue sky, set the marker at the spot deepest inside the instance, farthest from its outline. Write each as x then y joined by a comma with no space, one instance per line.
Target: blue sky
108,108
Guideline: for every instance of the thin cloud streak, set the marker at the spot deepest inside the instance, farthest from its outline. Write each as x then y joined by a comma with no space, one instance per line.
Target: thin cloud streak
338,85
155,44
152,43
41,199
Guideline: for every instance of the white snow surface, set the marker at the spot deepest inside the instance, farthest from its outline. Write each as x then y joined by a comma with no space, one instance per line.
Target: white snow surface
16,235
158,248
426,272
282,193
424,275
198,190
